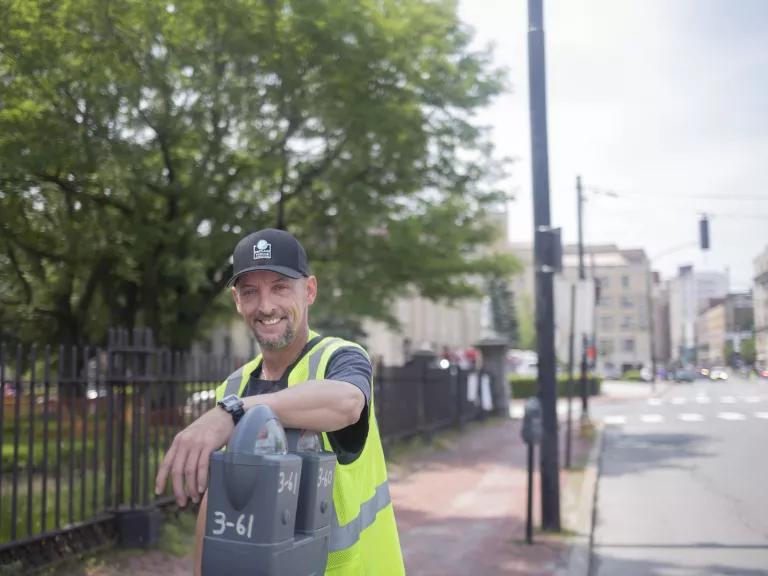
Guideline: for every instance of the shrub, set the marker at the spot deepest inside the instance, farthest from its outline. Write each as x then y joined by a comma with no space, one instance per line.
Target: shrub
526,386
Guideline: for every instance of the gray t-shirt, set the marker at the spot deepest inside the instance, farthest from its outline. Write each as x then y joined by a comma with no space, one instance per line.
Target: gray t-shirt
346,365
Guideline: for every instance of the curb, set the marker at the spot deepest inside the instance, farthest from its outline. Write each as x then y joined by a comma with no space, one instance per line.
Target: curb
582,520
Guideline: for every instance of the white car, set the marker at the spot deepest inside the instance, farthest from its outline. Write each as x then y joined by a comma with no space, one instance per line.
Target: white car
718,373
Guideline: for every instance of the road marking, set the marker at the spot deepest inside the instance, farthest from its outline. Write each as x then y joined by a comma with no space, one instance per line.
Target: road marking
690,417
727,399
763,415
655,401
752,399
731,416
652,418
679,400
703,399
614,419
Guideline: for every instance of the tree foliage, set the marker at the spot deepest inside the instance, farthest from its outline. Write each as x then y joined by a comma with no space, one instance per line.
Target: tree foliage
139,140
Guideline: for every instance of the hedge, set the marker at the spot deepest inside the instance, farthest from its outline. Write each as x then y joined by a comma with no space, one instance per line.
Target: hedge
525,386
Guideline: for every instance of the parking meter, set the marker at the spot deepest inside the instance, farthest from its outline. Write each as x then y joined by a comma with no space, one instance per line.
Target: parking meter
531,430
531,433
266,516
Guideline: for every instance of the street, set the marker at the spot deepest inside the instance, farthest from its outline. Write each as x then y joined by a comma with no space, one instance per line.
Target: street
683,481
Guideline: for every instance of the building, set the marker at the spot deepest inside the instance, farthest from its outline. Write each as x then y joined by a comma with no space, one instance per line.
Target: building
661,337
760,300
690,293
722,328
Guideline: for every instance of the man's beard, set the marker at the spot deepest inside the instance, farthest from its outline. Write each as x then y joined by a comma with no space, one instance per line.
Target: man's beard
275,343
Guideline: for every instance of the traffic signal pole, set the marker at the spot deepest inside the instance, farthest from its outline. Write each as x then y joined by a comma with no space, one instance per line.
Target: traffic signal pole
545,325
582,278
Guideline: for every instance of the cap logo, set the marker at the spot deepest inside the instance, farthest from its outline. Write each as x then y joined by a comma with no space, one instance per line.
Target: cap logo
262,250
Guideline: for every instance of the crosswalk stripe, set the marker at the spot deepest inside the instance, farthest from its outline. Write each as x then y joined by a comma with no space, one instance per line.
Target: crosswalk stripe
679,400
763,415
690,417
731,416
727,399
703,399
615,419
652,418
655,401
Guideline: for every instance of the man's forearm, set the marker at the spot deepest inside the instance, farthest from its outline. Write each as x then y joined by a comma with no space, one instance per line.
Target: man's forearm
322,405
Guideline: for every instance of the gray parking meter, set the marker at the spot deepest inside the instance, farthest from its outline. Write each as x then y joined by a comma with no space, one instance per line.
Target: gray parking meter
531,430
531,433
266,516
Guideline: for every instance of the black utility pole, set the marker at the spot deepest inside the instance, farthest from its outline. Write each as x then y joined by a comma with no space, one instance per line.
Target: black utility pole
582,278
545,324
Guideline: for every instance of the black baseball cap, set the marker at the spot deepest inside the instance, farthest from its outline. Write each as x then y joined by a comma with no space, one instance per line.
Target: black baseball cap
269,249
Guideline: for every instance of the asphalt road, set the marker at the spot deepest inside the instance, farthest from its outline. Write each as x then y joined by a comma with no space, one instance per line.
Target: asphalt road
683,487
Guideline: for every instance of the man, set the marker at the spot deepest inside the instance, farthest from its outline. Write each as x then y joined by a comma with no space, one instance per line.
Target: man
309,382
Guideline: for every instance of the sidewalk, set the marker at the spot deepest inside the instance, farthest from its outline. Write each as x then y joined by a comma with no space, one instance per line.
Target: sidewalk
461,510
460,506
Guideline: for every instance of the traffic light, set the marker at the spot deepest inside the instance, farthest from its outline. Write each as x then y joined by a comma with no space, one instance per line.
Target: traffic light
704,233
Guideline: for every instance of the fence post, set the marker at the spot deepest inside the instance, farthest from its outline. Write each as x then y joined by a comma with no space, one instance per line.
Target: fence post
421,360
138,521
494,356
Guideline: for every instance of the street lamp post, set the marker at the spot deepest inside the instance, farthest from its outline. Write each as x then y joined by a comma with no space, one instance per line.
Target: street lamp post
545,325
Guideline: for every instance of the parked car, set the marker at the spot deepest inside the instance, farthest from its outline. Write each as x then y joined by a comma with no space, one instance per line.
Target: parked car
718,373
684,375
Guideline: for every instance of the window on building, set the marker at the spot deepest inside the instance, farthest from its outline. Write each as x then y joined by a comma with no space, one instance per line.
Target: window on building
626,322
628,345
627,302
605,282
606,322
605,301
606,348
625,281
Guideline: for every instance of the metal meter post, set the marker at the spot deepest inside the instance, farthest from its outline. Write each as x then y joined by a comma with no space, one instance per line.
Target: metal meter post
531,432
265,517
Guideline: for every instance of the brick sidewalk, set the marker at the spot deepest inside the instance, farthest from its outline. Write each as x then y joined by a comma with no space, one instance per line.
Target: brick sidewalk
460,509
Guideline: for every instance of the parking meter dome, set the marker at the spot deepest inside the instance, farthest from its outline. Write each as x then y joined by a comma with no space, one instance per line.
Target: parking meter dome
258,432
309,441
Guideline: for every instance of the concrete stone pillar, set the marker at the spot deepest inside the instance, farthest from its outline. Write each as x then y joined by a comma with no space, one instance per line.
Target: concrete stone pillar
493,353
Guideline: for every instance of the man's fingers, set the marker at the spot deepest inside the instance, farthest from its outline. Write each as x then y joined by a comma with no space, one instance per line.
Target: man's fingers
177,475
202,470
190,474
162,473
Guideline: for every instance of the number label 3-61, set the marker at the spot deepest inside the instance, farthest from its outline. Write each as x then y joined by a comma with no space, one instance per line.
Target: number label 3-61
243,526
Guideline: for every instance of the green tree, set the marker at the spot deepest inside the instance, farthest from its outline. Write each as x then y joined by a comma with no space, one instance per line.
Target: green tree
748,351
140,140
526,323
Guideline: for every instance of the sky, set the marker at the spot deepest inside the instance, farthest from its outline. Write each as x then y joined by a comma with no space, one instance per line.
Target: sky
662,102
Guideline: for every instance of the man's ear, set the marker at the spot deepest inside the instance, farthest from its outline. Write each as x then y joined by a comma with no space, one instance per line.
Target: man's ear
236,298
311,289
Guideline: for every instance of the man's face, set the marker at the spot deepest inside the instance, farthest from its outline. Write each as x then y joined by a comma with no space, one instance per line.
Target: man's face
274,306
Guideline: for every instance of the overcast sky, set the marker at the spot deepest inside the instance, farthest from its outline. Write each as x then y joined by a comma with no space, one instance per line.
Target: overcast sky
662,101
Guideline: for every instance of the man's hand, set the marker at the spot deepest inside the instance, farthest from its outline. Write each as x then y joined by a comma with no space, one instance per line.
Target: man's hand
187,458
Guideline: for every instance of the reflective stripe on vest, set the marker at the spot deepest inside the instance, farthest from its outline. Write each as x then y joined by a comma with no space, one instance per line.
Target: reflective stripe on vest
316,355
233,382
343,537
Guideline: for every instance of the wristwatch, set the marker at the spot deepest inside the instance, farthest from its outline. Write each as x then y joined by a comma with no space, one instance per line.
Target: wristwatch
233,405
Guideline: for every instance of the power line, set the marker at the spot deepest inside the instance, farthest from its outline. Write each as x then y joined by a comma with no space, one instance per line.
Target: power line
624,193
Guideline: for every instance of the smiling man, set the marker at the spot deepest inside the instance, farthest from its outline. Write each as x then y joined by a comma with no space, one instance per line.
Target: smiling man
309,381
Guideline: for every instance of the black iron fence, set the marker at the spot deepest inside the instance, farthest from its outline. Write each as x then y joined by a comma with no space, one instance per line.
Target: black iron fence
83,431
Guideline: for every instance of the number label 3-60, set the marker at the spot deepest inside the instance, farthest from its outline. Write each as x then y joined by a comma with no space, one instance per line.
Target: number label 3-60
325,477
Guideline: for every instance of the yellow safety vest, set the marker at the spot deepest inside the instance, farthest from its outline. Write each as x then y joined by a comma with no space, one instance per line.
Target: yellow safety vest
364,538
